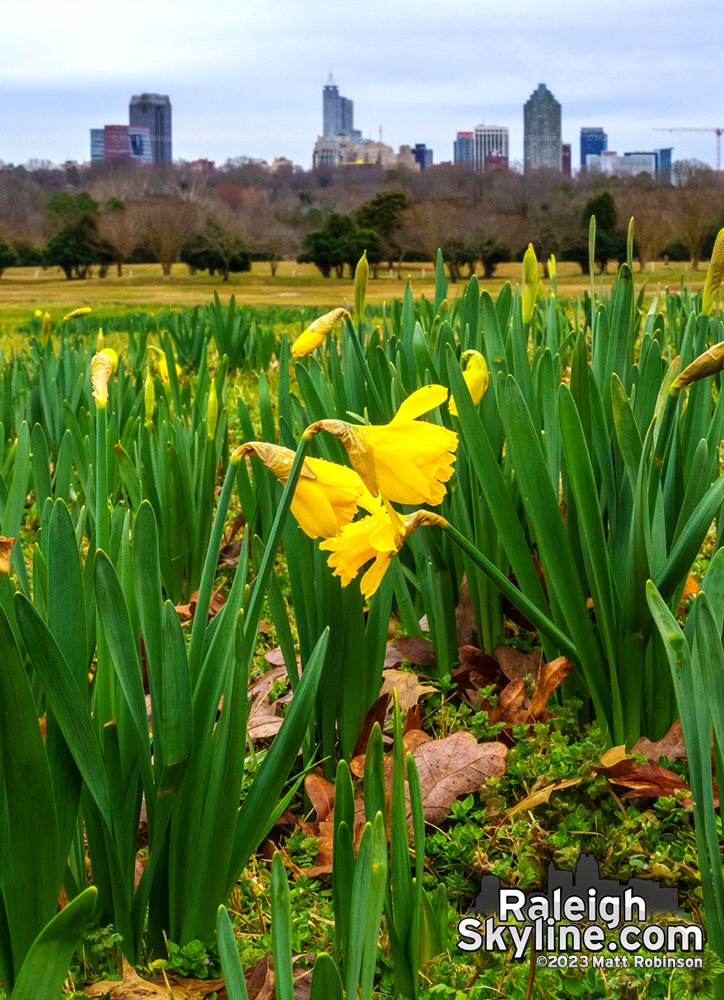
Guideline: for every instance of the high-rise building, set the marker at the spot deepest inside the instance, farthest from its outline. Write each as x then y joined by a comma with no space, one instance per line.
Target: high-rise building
422,155
132,141
491,146
594,141
96,145
153,111
661,163
337,112
542,130
464,149
566,159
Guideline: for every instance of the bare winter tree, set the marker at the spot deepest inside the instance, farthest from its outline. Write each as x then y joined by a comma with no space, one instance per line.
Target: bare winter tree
169,223
120,230
698,205
650,206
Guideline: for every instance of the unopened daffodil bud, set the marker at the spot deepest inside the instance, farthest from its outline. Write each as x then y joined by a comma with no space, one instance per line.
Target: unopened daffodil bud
530,283
99,340
149,398
361,277
316,332
45,329
714,275
83,311
212,410
708,363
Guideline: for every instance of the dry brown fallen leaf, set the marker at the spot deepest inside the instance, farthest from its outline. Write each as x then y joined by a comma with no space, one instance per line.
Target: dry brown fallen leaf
408,686
691,587
189,610
260,981
671,745
417,650
541,794
454,766
133,987
517,665
641,779
464,615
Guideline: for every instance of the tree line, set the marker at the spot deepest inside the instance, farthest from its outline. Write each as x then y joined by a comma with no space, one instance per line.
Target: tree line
110,215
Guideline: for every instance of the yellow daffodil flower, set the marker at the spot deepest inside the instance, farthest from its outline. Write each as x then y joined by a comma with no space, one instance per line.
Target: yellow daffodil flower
407,460
6,545
376,537
477,378
83,311
38,313
327,494
316,333
103,365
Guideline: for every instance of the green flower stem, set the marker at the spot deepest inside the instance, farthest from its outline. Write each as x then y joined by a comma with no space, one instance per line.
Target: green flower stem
198,629
105,697
355,338
261,584
514,595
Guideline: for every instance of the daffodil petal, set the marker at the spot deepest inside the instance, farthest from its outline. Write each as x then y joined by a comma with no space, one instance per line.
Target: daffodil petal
421,401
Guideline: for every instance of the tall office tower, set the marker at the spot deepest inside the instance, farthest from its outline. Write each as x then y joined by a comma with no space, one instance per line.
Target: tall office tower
542,130
422,155
133,141
337,112
594,141
153,111
96,139
491,146
464,149
566,159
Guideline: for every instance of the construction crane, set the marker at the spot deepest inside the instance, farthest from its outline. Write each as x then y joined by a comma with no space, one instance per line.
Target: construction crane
718,131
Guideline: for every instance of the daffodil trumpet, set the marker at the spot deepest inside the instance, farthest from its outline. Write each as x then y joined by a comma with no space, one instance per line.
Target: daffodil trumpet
327,494
476,377
407,460
378,537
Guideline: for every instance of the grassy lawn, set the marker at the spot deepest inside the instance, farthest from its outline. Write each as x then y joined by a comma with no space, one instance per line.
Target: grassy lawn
143,288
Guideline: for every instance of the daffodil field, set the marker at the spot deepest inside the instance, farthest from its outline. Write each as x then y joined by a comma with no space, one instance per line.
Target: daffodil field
557,463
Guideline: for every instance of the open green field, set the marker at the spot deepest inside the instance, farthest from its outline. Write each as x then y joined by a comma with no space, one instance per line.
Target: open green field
143,287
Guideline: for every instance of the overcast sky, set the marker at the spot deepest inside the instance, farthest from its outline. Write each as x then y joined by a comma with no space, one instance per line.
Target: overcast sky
245,77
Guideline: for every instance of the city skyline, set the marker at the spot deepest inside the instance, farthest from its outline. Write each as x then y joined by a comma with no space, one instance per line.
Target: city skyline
250,87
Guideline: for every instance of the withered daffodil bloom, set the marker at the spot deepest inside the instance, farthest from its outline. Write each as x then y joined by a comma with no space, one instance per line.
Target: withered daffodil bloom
327,494
6,545
103,365
406,461
376,537
476,376
316,333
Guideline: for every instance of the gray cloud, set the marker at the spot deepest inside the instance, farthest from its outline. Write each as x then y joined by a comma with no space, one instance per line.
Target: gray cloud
246,77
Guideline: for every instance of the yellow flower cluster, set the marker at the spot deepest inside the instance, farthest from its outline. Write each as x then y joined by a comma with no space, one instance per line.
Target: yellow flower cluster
405,461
